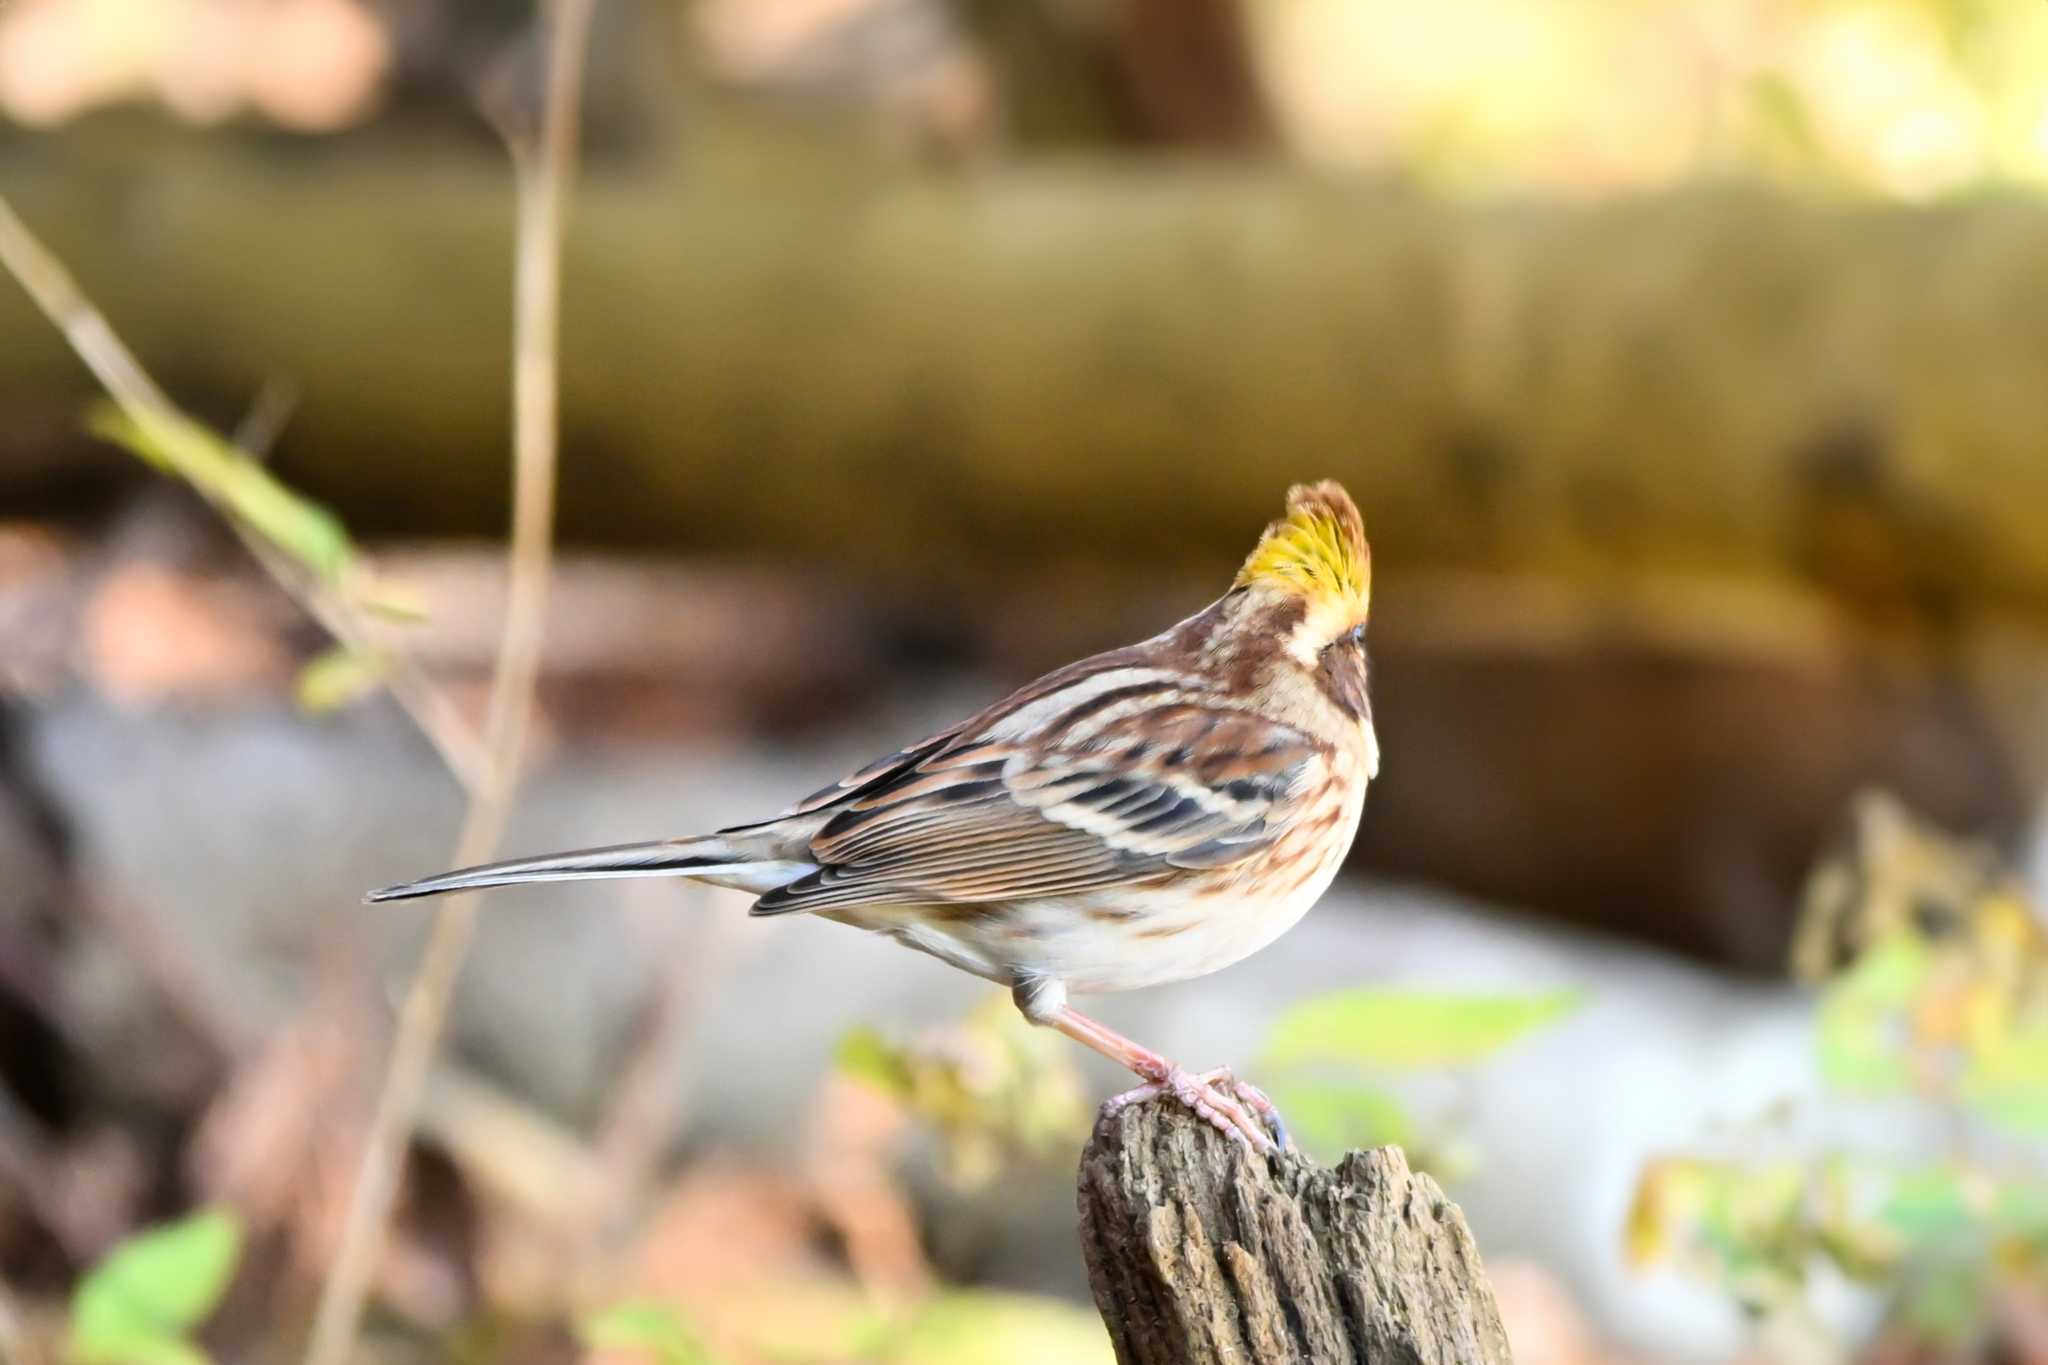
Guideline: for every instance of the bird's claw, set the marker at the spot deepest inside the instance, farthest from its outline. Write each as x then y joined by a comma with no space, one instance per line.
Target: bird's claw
1226,1103
1259,1103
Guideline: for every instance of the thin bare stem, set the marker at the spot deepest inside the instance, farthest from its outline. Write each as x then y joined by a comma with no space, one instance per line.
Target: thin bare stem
457,744
83,325
94,340
489,771
543,176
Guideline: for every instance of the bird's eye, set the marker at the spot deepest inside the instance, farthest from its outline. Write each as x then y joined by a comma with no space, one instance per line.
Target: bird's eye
1354,636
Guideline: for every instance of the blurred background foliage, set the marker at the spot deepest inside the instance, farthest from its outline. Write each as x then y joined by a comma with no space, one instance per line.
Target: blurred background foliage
1331,1059
1882,98
1685,356
1931,976
1908,100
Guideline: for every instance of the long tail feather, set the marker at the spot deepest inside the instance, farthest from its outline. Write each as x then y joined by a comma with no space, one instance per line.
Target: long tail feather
709,859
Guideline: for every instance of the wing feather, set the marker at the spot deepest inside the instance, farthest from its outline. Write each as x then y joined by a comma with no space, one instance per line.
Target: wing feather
1184,782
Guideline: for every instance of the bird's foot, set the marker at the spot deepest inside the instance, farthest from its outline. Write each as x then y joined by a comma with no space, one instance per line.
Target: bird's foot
1227,1103
1257,1101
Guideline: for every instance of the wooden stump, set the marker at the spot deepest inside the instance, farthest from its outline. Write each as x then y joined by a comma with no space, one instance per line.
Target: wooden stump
1199,1252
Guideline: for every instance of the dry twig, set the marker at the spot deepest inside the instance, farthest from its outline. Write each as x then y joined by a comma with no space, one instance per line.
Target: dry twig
488,770
543,174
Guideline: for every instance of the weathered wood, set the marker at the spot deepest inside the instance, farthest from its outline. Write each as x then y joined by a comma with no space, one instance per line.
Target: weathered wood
1200,1253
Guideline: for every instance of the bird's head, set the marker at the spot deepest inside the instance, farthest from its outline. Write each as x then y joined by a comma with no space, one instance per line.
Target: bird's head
1314,566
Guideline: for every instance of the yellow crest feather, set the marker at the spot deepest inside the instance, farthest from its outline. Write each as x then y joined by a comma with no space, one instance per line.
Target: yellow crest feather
1317,551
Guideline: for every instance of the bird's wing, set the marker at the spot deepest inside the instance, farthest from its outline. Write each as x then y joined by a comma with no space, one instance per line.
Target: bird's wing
884,770
1176,785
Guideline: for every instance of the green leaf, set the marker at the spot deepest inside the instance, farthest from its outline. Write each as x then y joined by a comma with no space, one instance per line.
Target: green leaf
302,529
2020,1210
1864,1029
1893,971
153,1289
1861,1050
1329,1119
648,1326
1950,1305
1936,1204
338,677
157,1351
2007,1082
1406,1029
393,602
865,1055
980,1327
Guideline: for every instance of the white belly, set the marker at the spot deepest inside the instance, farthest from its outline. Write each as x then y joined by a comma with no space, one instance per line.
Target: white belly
1124,938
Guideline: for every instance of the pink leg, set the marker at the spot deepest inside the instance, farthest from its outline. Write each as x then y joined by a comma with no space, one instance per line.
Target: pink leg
1216,1096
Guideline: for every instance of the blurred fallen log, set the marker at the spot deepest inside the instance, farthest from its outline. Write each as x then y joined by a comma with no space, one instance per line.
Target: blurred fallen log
1200,1255
916,374
1695,515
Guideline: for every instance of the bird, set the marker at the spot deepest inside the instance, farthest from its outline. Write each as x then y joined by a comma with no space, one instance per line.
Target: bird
1146,815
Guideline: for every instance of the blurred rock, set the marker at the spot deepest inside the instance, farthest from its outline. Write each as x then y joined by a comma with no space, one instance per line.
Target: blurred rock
895,375
150,632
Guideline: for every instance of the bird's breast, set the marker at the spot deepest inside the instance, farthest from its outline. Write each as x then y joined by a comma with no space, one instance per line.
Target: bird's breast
1190,924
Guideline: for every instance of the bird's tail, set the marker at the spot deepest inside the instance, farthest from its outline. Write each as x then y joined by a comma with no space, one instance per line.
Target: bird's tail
712,858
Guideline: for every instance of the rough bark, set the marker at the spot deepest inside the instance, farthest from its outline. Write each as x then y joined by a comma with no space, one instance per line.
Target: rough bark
1200,1253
